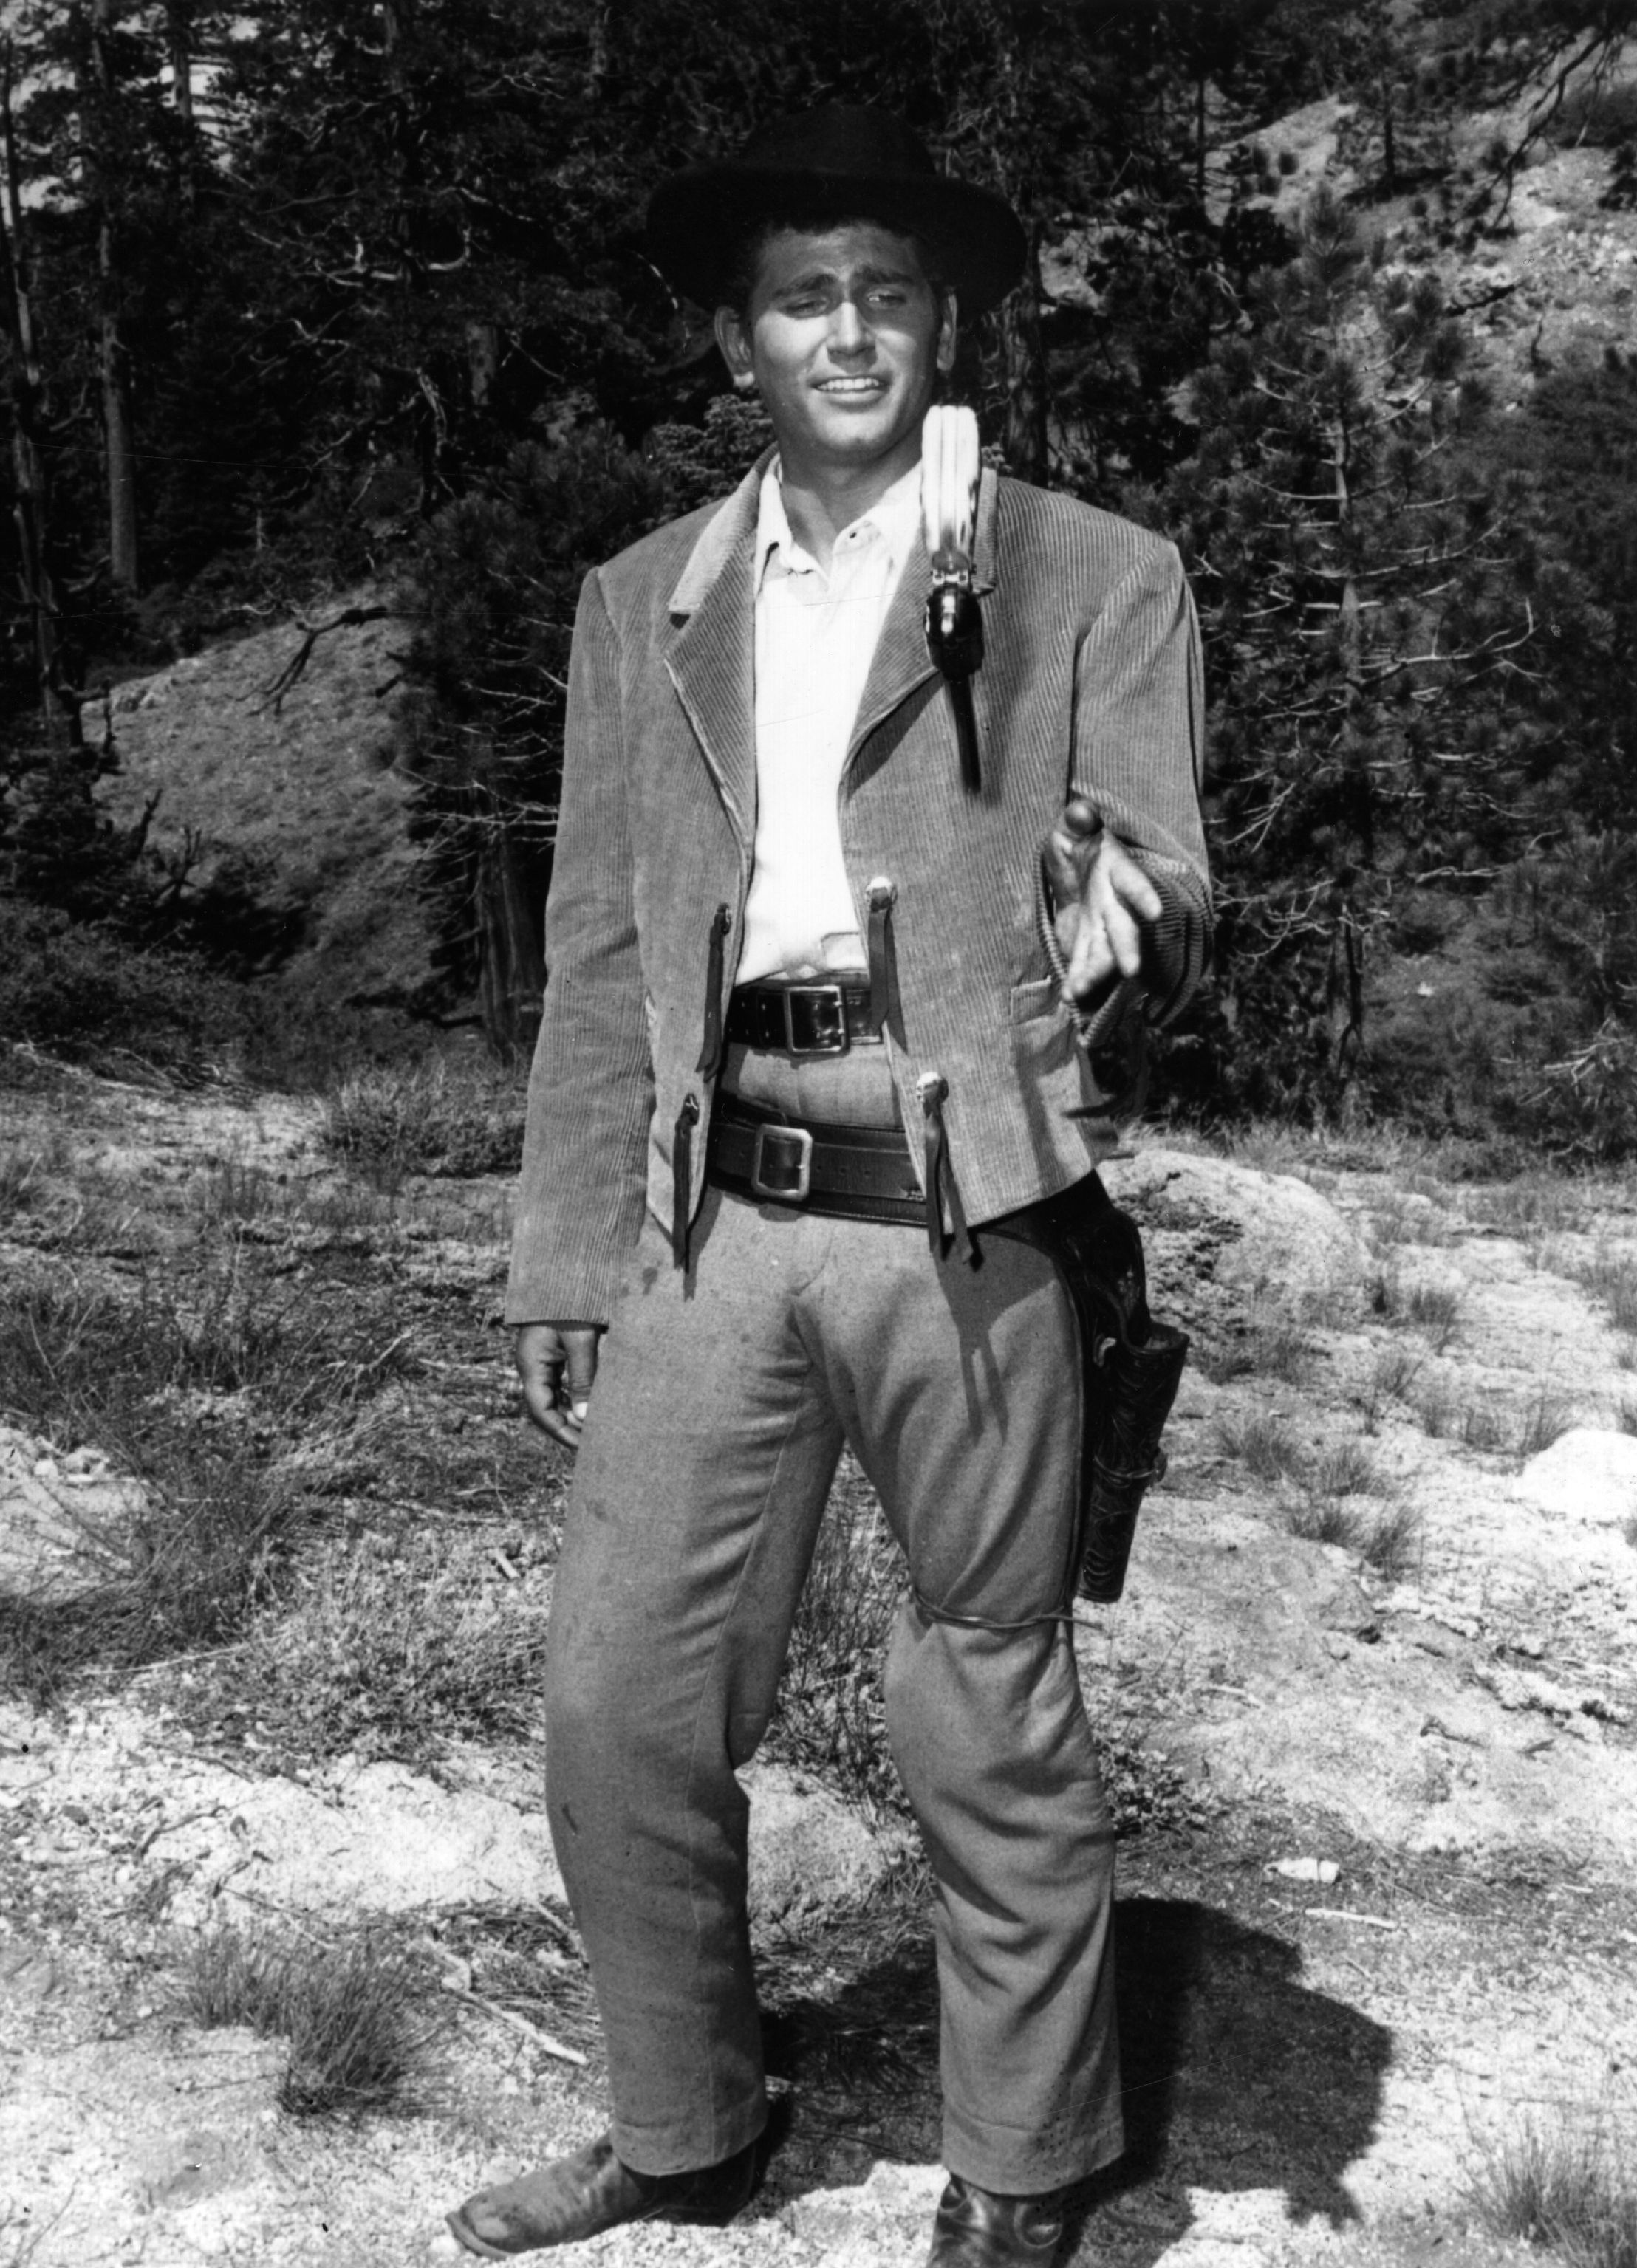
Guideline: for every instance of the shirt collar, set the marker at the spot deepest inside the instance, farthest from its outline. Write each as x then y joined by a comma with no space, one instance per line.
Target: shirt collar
895,516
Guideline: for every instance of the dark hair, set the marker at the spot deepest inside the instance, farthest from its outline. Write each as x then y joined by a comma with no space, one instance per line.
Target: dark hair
810,216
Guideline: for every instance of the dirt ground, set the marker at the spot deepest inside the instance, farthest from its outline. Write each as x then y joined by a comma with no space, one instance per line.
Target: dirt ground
1380,1919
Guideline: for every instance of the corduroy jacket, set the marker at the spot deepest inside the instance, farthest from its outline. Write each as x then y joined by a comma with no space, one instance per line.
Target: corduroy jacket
1090,685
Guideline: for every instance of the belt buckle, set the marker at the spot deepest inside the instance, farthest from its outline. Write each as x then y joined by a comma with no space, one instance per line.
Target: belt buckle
825,1014
799,1167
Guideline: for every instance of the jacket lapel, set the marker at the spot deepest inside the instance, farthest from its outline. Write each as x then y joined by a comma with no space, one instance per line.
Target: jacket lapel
712,660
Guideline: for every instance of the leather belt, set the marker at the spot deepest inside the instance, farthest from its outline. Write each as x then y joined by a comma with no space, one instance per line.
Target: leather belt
802,1019
862,1173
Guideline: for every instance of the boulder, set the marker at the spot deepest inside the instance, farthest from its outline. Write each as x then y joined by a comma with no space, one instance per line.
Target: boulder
1587,1473
1256,1233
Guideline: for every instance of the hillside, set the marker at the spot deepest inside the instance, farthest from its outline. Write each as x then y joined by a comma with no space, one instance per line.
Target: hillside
293,794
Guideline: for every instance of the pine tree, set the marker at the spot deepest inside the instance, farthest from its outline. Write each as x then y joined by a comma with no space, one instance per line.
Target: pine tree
1365,598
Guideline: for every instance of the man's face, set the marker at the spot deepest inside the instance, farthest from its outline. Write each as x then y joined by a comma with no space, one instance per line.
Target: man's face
845,337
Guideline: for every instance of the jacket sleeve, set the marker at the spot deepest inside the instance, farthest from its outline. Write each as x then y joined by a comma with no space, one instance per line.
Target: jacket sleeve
580,1200
1139,756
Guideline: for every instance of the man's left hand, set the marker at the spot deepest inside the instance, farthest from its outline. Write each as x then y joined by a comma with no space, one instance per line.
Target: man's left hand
1102,897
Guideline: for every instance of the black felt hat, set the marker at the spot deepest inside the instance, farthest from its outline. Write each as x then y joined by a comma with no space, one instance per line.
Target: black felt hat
824,166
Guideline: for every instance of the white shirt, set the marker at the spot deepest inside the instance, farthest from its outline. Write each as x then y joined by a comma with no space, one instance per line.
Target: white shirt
816,637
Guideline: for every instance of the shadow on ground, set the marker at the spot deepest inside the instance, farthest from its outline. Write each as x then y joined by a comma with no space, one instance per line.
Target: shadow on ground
1238,2076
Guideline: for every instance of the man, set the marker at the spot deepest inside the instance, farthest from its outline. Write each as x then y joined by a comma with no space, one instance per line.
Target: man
781,933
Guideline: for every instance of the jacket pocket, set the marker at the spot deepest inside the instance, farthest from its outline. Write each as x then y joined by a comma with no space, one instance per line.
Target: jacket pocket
1040,997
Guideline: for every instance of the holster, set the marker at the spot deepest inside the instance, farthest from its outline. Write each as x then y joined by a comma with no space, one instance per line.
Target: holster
1130,1365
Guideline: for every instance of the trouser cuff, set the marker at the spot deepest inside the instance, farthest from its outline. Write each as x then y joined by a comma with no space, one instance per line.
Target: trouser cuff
1012,2163
684,2146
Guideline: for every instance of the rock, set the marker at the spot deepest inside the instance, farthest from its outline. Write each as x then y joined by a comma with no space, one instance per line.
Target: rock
1253,1233
1587,1475
808,1850
387,1841
58,1515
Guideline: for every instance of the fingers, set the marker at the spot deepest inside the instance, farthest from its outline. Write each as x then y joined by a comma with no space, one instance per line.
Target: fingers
1126,880
558,1367
1114,900
1070,850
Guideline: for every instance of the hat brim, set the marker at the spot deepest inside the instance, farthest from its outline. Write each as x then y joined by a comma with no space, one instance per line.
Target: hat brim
698,218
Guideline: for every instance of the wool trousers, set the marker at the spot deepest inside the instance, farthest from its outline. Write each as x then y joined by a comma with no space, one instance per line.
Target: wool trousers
723,1399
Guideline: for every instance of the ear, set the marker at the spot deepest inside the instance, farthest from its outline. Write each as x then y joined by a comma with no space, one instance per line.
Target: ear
948,324
734,340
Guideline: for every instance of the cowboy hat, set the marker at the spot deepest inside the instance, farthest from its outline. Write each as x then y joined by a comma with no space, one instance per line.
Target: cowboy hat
840,163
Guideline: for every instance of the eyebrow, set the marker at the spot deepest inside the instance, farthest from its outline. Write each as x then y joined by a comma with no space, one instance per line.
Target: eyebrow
868,274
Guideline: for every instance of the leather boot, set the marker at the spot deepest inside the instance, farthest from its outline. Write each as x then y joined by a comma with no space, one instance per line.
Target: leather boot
581,2196
975,2228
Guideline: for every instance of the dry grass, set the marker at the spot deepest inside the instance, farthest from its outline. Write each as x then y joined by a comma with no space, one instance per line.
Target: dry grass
1610,1274
195,1384
1267,1446
829,1718
1571,2190
350,2012
1392,1377
1544,1419
1386,1534
390,1646
385,1124
1530,1209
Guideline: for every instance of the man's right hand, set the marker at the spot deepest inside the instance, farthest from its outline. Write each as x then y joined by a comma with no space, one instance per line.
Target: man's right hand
557,1363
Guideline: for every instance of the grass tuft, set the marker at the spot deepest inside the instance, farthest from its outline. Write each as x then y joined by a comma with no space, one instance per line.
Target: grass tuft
1266,1446
1328,1519
1435,1309
1393,1543
1280,1350
1345,1468
1571,2191
350,2011
1544,1421
1611,1275
1392,1374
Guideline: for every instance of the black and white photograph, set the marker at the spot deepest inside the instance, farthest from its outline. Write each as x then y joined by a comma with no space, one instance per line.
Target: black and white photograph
818,1133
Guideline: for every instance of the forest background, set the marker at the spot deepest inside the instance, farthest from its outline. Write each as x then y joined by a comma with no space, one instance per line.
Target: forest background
345,307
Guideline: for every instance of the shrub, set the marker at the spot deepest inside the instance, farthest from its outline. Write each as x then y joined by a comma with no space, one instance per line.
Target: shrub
81,989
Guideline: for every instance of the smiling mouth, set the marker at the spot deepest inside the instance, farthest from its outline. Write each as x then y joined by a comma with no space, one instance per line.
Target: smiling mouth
853,385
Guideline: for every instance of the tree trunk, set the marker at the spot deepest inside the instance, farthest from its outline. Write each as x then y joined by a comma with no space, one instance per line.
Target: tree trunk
119,444
1026,439
59,711
178,34
512,967
116,419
